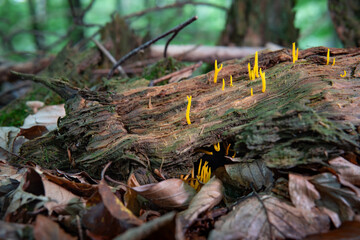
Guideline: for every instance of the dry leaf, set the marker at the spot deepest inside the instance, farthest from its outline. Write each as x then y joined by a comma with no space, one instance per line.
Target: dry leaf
336,198
255,173
47,229
47,116
130,196
250,220
348,231
14,231
209,196
347,170
170,193
163,227
302,193
116,207
33,132
60,198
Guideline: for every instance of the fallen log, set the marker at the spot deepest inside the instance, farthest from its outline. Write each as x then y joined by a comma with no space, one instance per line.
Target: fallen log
308,114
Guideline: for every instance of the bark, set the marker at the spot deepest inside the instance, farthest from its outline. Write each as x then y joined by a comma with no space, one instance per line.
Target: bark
257,22
346,18
308,114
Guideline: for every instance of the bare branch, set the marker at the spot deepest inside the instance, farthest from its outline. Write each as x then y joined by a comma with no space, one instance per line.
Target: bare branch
148,43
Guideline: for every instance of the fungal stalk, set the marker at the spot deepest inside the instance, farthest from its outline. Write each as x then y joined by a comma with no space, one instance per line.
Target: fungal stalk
217,70
231,84
295,55
188,110
343,75
328,57
263,80
223,86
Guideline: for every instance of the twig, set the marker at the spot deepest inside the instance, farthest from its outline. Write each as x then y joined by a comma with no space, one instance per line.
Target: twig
109,56
104,170
78,224
148,43
195,66
13,154
174,5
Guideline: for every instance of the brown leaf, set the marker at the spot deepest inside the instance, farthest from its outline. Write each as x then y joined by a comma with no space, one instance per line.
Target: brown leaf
278,220
170,193
14,231
336,198
130,197
100,224
116,207
7,171
349,230
347,170
46,116
47,229
60,198
33,132
255,173
79,189
163,227
209,196
302,193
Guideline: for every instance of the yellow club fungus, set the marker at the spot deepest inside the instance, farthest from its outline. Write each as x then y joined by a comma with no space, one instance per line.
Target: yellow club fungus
295,55
223,86
204,151
256,65
263,80
217,147
231,85
343,75
328,57
217,70
188,110
251,92
202,177
250,72
333,62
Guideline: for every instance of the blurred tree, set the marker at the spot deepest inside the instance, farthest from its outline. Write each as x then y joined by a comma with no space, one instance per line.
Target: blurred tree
36,29
256,22
346,18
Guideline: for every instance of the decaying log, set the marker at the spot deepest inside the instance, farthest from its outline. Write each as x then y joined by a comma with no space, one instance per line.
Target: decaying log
307,115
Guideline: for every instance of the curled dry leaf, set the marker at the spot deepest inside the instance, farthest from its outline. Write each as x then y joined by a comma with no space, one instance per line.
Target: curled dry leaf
33,132
116,207
163,227
255,173
347,170
336,198
130,196
46,229
269,218
209,196
170,193
47,116
302,193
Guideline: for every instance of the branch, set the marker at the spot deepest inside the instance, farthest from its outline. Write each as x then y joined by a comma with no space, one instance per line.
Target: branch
148,43
109,56
174,5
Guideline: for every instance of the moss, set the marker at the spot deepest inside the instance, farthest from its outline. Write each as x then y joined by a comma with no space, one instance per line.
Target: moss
15,112
162,68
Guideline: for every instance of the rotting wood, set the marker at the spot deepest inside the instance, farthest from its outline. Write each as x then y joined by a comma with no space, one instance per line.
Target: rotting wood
296,121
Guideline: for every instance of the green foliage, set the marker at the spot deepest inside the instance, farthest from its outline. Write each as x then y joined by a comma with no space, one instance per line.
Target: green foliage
315,25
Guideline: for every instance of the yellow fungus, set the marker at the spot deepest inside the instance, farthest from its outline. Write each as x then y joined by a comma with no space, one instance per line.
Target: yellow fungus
263,81
227,150
223,86
333,62
231,85
328,57
217,70
217,147
249,69
204,151
234,155
251,92
253,75
188,110
256,65
295,55
343,75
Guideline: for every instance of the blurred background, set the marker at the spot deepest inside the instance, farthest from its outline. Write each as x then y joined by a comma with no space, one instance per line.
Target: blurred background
31,28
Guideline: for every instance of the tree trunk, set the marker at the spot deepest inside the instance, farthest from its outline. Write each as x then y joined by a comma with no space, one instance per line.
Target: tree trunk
346,18
307,114
257,22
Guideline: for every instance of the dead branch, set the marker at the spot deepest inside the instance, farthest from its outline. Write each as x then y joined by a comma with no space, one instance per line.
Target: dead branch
148,43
